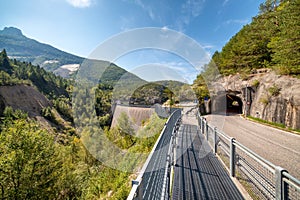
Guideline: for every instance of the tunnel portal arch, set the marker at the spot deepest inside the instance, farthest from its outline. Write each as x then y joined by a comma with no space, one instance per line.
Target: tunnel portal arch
234,104
227,103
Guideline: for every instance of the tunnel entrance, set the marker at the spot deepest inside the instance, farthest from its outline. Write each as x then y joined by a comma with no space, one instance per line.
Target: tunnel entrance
234,104
225,103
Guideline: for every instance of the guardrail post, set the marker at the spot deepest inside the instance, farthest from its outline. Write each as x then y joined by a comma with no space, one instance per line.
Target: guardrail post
202,127
206,130
232,157
139,192
215,140
200,120
280,186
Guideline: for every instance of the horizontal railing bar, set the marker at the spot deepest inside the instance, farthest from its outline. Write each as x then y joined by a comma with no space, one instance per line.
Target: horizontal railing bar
262,182
256,157
225,151
287,175
257,172
224,135
257,182
291,183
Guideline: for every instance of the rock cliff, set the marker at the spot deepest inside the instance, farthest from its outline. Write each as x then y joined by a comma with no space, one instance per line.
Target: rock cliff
267,96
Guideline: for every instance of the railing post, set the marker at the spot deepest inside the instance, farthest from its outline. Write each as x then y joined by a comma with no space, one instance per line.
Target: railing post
202,128
215,140
206,130
139,191
279,184
199,121
232,157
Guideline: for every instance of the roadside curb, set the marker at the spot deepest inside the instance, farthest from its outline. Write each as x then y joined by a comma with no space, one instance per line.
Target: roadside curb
270,126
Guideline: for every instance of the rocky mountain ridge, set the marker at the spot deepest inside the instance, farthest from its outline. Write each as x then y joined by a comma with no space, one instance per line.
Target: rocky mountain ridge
22,48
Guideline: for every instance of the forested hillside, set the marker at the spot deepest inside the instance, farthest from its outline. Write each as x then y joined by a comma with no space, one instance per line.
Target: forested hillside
271,40
45,148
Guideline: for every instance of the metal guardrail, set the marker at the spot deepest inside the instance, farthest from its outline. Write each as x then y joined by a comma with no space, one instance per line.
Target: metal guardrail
153,180
261,178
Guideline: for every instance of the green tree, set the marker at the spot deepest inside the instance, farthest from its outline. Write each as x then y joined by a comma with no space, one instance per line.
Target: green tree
286,43
4,62
29,163
125,125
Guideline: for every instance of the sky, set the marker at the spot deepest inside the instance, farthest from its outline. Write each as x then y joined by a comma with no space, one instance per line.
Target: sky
80,26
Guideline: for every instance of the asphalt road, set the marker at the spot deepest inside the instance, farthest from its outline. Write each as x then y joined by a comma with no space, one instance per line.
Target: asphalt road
280,147
198,174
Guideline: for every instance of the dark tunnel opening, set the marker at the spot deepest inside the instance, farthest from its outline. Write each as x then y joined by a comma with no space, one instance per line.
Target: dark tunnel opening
234,104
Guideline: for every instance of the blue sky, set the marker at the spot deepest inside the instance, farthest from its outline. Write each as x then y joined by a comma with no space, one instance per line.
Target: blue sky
79,26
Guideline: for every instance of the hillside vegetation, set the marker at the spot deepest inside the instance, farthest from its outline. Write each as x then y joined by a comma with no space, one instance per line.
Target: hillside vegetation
28,153
271,40
39,144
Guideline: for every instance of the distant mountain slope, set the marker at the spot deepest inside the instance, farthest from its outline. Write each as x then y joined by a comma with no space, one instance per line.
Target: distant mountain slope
171,84
25,49
52,59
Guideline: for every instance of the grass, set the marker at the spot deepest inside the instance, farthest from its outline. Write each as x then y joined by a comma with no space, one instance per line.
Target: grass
247,186
275,125
274,90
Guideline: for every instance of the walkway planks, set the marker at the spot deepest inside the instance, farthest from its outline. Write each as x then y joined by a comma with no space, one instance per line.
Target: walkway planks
198,174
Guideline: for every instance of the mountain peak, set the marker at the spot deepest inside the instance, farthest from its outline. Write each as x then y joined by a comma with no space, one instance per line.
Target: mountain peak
11,31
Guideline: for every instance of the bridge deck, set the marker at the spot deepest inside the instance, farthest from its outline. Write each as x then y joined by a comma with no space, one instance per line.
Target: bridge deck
198,174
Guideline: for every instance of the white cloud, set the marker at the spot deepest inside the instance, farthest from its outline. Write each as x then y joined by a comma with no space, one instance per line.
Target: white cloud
164,28
178,71
80,3
208,46
127,23
190,9
151,14
225,2
193,7
231,21
145,8
237,21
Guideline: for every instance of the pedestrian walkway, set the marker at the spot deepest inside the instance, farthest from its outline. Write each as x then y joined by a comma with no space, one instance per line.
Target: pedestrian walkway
198,174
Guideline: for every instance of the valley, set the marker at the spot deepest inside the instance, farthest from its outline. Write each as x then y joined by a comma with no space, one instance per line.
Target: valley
79,128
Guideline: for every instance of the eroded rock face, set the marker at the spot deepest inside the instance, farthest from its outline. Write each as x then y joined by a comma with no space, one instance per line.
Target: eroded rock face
282,107
273,97
23,97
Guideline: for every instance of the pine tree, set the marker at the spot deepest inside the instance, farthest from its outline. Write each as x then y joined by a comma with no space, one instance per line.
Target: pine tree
4,62
286,43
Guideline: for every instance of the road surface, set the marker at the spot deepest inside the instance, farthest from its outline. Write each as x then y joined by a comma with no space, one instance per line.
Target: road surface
280,147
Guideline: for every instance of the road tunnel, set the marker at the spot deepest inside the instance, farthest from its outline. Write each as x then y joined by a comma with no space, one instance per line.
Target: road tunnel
226,103
234,104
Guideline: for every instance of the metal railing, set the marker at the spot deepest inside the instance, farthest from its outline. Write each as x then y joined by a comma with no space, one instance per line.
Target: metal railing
261,178
153,180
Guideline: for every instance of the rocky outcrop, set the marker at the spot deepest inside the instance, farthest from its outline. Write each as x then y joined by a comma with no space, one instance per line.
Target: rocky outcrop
23,97
267,96
278,100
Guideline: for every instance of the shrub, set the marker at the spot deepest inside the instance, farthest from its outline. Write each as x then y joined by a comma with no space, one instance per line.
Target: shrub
264,100
274,90
255,83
